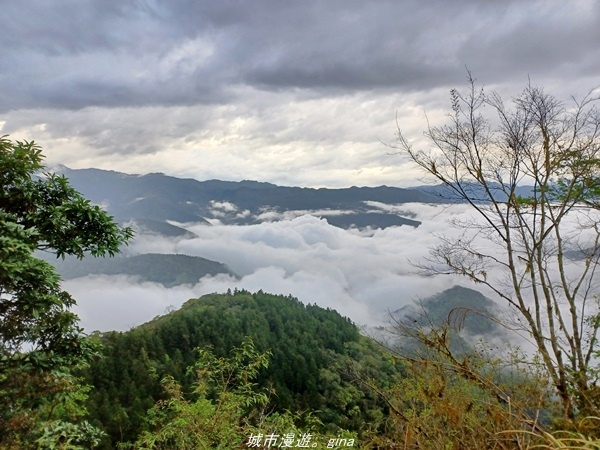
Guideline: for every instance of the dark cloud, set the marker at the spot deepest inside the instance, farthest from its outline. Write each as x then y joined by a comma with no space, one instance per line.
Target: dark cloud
297,93
72,53
538,39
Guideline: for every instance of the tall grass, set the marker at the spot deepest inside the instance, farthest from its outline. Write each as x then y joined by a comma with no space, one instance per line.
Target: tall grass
561,439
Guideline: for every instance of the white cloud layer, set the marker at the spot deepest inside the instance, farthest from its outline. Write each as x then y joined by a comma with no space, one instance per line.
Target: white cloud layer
361,275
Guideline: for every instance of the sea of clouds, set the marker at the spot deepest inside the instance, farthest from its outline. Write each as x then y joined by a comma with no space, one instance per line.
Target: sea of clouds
361,274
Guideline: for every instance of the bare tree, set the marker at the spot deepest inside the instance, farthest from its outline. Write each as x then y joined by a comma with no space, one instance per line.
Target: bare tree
538,252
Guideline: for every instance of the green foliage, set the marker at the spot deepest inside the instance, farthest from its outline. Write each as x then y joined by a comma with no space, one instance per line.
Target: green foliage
40,341
226,409
225,395
315,358
61,435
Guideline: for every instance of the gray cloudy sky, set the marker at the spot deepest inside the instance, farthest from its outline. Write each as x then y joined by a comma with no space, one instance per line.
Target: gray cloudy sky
296,93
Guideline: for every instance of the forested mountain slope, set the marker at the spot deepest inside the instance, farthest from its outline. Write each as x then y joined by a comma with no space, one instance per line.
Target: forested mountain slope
468,315
318,358
156,197
168,270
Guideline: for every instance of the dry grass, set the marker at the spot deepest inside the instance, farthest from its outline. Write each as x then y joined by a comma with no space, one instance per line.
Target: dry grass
561,440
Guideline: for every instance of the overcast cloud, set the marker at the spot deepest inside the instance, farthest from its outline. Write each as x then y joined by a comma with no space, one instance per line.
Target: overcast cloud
295,93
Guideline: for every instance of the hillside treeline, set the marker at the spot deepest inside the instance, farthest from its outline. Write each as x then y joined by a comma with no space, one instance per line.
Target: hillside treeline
317,359
227,369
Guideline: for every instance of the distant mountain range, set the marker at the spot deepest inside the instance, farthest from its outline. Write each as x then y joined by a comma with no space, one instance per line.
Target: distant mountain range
152,199
474,191
156,203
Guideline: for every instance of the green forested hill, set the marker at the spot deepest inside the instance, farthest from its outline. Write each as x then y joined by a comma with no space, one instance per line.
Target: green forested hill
434,310
468,314
316,356
168,270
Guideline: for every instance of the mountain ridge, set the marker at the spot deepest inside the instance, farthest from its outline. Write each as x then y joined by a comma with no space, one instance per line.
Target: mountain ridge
160,197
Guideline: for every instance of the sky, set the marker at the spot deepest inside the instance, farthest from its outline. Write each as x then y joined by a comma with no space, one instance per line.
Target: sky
304,93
